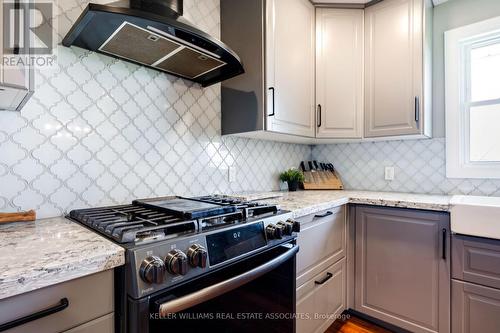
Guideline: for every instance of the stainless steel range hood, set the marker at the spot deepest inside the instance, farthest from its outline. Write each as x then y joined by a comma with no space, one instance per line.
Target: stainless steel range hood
154,33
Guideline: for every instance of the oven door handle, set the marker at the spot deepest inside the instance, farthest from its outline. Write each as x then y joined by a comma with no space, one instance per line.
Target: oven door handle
206,294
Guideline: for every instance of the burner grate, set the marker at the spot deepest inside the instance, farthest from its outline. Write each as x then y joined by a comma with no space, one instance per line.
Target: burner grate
131,223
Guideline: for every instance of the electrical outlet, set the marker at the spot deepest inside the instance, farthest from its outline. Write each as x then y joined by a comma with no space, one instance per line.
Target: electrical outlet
231,174
389,173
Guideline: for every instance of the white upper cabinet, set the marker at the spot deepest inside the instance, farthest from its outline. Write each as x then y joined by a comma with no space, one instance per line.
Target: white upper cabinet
328,75
290,67
16,81
395,75
339,72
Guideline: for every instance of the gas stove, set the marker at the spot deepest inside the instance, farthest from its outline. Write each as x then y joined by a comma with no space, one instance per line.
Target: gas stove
171,240
149,220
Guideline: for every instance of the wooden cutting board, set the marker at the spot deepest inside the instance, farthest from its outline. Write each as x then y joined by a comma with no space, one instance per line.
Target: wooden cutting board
18,217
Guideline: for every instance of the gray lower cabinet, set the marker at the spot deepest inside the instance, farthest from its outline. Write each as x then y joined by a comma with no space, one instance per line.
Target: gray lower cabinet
475,297
322,299
90,307
322,242
321,270
476,309
476,260
402,267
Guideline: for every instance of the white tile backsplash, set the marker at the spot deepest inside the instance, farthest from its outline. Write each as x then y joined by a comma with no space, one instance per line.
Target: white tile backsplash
419,167
101,131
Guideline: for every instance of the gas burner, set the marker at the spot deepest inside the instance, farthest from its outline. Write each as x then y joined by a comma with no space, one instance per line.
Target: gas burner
148,220
131,223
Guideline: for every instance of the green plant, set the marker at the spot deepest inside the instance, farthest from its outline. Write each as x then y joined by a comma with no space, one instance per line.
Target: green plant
292,175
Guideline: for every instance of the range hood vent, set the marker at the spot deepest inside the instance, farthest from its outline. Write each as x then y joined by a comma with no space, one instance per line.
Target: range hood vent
153,33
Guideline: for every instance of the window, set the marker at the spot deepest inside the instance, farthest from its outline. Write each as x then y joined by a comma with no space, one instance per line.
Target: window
472,66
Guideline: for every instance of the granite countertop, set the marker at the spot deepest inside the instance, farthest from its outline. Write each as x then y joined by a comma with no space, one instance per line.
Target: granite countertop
46,252
50,251
309,202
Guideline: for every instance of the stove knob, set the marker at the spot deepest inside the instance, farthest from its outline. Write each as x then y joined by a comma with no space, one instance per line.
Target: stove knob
176,262
197,256
152,270
286,227
295,225
274,232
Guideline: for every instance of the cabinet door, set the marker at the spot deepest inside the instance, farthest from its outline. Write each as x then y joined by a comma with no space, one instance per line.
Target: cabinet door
394,71
88,298
105,324
290,67
16,80
476,309
403,267
322,299
339,72
322,242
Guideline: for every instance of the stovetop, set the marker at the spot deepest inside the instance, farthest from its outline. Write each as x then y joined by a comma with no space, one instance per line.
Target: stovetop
149,220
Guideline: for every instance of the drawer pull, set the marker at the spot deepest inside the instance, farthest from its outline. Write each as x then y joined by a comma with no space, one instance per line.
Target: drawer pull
327,277
63,304
324,215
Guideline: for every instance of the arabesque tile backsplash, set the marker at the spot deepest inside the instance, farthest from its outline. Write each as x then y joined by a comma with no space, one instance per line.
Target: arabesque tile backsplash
101,131
419,167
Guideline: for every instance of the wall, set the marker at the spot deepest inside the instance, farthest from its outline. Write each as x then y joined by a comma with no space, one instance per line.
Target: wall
100,131
450,15
419,167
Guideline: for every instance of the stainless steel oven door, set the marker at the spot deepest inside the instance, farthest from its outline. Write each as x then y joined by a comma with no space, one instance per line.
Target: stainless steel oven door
253,295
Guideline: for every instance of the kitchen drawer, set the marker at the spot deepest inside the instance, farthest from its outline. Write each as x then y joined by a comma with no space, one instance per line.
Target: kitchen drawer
476,260
105,324
322,242
322,299
89,298
475,308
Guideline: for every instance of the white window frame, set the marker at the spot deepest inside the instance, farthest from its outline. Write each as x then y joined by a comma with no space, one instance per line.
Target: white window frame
458,43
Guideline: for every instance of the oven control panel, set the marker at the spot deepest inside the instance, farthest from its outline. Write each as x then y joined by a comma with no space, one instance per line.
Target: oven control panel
164,264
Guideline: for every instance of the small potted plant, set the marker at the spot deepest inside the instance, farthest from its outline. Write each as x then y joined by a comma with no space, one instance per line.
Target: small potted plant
293,177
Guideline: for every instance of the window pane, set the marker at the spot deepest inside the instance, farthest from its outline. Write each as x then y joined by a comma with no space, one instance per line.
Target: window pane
485,72
485,133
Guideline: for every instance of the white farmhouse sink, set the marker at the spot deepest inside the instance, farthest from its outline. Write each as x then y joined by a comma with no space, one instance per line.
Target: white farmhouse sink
475,216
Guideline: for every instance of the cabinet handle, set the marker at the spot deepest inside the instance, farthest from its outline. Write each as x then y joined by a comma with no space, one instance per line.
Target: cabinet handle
324,214
63,304
17,35
326,278
319,115
272,113
417,109
444,234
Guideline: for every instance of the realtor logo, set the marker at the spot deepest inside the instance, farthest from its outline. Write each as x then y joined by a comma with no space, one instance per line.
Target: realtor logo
28,33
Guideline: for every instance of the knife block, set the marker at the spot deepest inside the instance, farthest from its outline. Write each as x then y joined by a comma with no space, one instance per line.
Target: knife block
322,180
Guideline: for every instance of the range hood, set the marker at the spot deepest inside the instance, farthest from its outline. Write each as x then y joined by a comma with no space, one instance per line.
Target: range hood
153,33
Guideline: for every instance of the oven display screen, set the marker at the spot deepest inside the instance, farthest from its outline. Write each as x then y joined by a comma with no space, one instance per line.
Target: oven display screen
226,245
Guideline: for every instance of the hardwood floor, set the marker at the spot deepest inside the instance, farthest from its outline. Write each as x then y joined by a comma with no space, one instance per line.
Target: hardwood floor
354,325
